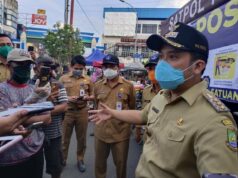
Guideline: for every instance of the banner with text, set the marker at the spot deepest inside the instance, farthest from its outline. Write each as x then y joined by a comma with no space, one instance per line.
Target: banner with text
189,12
38,19
220,27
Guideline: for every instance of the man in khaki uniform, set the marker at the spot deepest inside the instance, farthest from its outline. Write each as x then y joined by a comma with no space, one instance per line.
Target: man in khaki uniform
190,131
113,135
5,47
150,91
79,90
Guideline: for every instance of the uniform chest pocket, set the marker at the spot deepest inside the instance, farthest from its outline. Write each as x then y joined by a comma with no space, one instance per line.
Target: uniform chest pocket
68,84
152,117
101,96
172,146
176,135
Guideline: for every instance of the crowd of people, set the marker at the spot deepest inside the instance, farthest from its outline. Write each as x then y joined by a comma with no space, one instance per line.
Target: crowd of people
186,131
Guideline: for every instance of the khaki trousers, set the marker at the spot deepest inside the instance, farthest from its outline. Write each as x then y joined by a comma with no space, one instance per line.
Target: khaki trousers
79,121
119,155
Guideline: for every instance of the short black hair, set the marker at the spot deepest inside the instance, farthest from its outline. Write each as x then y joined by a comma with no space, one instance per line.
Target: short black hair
5,35
196,56
78,60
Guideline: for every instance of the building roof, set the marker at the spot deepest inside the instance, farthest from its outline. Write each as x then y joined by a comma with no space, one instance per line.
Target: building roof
145,13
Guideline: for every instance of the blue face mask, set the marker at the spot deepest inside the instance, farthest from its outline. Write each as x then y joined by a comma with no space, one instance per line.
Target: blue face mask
169,77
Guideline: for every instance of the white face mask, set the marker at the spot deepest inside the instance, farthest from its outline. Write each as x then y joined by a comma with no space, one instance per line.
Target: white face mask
110,73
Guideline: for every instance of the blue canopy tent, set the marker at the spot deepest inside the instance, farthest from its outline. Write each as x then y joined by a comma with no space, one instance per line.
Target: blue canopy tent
96,55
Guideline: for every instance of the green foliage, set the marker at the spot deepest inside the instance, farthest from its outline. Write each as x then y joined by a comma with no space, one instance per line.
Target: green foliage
63,43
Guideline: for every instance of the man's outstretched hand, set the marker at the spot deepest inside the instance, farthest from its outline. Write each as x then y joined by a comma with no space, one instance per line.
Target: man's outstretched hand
103,114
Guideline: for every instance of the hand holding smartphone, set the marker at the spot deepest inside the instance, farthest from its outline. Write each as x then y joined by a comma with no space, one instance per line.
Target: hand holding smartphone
54,87
31,108
44,77
80,98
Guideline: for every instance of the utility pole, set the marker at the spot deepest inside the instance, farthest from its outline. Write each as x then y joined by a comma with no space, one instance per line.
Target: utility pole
2,23
66,12
72,13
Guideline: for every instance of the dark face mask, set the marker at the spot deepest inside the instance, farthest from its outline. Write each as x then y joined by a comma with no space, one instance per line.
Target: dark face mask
21,74
77,73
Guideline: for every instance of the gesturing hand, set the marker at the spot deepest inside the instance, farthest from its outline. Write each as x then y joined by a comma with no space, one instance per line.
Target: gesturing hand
53,96
103,114
39,94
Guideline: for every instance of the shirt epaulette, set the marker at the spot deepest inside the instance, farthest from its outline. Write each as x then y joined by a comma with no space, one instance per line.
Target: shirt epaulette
163,92
126,81
98,82
87,77
148,86
215,102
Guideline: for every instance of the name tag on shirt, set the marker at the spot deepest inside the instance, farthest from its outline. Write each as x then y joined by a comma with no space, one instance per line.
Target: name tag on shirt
119,105
155,109
81,92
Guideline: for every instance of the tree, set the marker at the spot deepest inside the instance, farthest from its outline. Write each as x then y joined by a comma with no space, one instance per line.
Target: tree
63,43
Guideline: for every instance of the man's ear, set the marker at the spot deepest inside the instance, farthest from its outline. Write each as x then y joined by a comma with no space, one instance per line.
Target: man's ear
199,66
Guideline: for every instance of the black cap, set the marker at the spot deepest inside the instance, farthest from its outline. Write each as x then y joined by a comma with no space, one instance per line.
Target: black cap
110,59
183,37
46,59
153,60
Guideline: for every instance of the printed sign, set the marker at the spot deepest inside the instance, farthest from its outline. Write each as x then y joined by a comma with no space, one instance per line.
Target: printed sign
191,11
39,19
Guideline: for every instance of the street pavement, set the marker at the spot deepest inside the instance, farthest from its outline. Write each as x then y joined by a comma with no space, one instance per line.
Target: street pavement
71,171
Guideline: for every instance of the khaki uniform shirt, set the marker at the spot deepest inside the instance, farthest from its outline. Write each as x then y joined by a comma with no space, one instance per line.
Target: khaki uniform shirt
187,137
114,130
4,73
73,86
148,94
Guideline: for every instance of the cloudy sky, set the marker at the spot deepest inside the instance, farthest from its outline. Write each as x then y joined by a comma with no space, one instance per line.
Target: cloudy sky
93,9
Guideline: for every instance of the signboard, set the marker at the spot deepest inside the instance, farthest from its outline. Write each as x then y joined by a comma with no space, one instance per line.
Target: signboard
191,11
220,27
39,19
120,24
41,11
132,40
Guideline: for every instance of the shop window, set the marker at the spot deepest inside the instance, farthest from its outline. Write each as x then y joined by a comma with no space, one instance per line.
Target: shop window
149,28
138,28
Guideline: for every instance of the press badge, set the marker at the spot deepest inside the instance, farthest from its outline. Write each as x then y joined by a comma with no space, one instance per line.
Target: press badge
81,92
119,105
